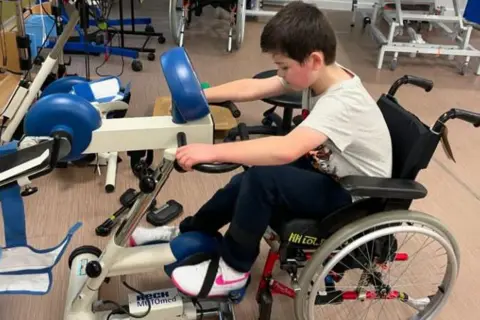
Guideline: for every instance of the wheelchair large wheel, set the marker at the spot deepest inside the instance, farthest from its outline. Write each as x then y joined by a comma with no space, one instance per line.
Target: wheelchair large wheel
366,254
240,23
177,18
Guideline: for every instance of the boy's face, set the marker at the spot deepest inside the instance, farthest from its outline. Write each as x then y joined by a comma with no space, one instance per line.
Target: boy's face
298,75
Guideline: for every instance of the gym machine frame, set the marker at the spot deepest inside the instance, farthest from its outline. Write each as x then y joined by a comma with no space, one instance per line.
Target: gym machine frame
89,267
435,18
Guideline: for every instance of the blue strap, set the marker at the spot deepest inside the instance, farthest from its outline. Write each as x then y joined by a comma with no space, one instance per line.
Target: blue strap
12,208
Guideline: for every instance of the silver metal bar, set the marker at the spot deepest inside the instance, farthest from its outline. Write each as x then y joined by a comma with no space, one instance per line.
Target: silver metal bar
23,52
260,13
139,208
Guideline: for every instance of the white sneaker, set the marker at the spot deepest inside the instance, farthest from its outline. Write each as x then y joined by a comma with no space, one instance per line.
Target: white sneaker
189,279
143,235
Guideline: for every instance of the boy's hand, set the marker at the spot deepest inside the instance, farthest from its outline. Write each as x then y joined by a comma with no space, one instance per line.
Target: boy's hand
192,154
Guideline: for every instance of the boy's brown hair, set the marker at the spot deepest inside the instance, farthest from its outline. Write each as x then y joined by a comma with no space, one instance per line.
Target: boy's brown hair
297,30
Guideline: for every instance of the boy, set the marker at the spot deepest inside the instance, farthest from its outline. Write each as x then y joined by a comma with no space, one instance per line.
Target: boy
345,128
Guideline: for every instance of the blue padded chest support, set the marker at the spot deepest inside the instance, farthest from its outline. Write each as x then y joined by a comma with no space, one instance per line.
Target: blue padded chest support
188,101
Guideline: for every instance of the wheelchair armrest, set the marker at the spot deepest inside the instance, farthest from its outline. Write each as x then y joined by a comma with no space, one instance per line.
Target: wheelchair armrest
363,186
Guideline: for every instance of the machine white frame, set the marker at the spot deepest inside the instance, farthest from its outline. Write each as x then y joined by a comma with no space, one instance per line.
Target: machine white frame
117,258
461,32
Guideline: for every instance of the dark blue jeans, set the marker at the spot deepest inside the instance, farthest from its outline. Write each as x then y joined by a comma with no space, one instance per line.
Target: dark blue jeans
264,196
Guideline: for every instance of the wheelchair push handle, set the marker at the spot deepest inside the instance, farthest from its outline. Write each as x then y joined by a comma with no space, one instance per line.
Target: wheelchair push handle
204,167
423,83
465,115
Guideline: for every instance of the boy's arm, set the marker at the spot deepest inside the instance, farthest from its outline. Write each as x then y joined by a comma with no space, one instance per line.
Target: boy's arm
246,90
276,150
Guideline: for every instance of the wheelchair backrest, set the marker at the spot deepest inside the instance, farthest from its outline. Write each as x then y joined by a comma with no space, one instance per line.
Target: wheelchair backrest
413,143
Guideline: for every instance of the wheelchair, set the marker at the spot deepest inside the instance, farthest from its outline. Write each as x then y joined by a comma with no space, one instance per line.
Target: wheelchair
180,17
360,238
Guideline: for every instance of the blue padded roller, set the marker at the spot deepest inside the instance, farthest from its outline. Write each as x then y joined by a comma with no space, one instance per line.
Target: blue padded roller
62,85
188,101
55,113
191,248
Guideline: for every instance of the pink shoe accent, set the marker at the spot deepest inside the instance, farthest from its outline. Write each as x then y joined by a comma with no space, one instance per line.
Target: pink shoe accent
131,242
221,282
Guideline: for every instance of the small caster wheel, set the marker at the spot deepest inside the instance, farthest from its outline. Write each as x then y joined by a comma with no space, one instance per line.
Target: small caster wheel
151,56
149,29
83,250
161,39
137,65
464,69
393,65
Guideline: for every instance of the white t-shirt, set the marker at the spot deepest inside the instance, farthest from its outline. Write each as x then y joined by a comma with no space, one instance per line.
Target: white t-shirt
358,138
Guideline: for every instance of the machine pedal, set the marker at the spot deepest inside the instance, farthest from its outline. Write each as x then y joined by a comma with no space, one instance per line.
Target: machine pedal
166,213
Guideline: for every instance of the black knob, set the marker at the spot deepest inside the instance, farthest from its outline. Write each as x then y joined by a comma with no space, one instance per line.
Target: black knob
93,269
139,168
147,184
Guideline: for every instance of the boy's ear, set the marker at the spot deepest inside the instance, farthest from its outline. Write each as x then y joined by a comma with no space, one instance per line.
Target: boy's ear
318,60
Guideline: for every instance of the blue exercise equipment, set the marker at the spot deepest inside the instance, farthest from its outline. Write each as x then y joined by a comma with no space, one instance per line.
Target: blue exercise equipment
184,86
78,118
192,248
62,85
472,11
68,115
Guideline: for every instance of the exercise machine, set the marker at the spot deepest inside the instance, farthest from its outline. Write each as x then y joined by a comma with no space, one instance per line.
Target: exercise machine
409,17
364,238
84,131
180,17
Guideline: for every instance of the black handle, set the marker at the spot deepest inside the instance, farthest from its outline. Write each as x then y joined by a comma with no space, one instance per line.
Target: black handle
465,115
232,107
204,167
423,83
